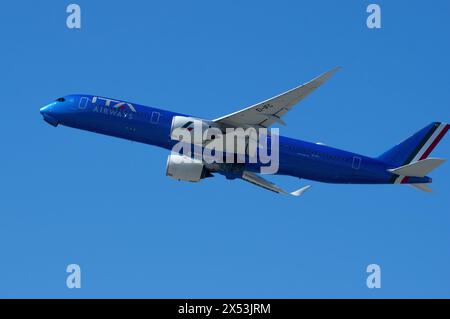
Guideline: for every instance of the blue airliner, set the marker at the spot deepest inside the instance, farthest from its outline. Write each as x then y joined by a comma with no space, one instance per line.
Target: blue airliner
405,163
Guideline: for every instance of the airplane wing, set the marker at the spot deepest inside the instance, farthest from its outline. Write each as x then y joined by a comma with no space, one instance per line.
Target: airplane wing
261,182
268,112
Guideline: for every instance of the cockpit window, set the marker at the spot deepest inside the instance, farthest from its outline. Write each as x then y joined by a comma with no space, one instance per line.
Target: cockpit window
61,99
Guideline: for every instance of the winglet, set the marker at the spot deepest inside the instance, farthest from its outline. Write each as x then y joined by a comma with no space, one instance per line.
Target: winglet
300,191
325,76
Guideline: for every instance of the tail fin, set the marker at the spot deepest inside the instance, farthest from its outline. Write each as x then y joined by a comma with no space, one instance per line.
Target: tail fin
417,147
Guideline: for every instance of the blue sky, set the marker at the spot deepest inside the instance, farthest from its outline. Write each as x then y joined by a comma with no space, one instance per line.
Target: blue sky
69,196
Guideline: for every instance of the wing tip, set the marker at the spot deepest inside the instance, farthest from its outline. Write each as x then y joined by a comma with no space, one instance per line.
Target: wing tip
336,68
325,76
300,191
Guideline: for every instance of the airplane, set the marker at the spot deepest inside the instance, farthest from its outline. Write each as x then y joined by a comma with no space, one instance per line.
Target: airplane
406,163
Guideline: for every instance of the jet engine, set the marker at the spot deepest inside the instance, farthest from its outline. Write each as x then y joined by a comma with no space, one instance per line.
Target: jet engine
184,168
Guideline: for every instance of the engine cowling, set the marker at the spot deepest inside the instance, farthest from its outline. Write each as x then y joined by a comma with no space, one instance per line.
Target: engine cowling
182,125
184,168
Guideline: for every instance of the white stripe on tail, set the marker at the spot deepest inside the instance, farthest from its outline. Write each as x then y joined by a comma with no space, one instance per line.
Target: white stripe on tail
426,148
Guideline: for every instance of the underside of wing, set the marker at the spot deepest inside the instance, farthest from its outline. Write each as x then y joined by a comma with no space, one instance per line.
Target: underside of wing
261,182
268,112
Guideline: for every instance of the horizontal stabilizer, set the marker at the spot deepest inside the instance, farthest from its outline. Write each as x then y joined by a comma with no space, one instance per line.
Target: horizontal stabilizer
418,169
422,187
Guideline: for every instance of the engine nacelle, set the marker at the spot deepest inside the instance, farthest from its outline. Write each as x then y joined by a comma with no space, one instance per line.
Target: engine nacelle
184,168
193,128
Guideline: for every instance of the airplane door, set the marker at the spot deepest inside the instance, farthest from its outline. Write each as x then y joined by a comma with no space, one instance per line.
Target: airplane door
83,103
356,164
155,118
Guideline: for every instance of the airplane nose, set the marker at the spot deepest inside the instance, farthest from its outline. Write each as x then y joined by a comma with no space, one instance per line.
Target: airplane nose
44,109
46,112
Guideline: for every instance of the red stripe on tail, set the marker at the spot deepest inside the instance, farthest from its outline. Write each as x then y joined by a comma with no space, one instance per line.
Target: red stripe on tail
435,142
429,150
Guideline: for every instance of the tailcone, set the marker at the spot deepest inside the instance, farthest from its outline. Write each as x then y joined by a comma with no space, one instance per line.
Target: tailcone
417,180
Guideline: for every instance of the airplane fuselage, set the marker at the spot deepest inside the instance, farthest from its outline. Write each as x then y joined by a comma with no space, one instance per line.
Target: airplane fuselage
152,126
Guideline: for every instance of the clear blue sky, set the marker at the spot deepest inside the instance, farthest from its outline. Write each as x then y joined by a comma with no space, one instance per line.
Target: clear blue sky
69,196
